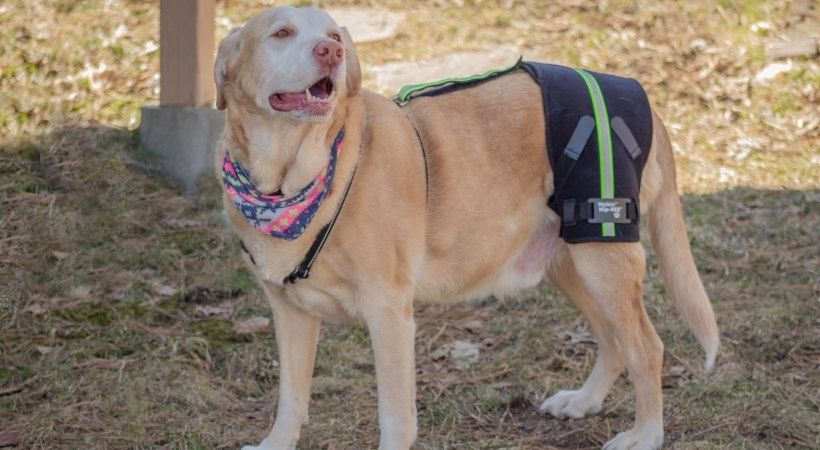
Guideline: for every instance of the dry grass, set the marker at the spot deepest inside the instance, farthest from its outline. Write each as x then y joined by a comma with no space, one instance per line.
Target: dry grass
105,269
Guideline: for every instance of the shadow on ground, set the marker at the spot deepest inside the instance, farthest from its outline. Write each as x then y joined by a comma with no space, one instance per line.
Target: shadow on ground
118,297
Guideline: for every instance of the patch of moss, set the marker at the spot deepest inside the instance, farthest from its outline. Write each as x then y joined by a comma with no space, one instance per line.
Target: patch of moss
438,414
218,333
358,333
93,313
187,242
11,375
187,441
114,352
242,280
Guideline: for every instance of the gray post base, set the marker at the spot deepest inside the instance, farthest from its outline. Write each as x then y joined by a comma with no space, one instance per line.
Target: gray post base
182,140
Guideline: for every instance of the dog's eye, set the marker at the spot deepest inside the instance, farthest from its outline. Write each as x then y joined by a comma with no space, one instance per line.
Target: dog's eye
336,37
282,33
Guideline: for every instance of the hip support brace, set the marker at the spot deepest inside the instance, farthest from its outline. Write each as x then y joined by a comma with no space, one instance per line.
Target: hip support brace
598,134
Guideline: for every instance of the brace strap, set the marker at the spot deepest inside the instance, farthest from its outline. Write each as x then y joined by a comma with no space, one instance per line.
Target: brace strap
622,130
597,210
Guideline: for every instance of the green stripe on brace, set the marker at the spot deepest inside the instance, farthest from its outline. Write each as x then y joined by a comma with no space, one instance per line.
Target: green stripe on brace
407,92
605,157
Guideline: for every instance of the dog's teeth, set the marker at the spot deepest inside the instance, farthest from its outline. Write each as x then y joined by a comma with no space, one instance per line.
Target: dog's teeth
307,94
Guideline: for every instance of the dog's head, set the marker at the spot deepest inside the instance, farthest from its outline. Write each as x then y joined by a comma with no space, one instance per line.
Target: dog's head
288,62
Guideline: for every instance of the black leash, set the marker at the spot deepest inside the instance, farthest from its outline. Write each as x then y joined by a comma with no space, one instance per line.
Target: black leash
302,271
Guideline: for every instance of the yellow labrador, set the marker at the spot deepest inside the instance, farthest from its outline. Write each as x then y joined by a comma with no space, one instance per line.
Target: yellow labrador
430,230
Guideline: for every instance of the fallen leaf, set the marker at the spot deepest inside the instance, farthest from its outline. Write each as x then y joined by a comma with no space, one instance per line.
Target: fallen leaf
16,387
212,311
441,352
460,352
256,415
9,438
35,308
676,371
794,378
464,350
472,325
577,334
80,292
60,255
44,350
184,223
163,289
771,71
252,325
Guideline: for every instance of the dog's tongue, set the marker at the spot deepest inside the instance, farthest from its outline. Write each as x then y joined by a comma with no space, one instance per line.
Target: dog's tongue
289,101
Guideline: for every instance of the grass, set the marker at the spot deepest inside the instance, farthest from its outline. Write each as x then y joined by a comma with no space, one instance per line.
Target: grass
105,268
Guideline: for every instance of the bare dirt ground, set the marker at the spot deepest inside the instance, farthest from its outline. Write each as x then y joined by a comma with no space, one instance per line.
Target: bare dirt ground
119,296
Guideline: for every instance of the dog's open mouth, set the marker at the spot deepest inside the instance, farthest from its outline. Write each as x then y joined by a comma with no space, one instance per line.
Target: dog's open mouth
315,99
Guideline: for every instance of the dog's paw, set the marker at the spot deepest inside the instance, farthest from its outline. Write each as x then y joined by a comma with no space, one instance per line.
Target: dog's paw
646,438
571,404
268,446
273,444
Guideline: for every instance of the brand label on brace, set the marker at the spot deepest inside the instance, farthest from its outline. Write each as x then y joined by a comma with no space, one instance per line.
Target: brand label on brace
609,210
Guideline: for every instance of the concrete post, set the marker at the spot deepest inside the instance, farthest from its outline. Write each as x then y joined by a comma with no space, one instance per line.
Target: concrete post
182,131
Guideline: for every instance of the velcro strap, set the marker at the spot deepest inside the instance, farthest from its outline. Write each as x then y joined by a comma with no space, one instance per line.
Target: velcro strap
569,216
579,137
622,130
596,210
566,162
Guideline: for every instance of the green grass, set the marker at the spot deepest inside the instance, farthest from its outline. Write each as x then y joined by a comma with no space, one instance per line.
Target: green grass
93,354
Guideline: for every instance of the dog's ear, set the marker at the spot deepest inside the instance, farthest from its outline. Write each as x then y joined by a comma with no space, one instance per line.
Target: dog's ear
225,59
354,71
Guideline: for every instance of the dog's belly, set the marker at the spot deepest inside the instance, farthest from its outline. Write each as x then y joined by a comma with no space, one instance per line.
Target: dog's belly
471,278
528,268
539,253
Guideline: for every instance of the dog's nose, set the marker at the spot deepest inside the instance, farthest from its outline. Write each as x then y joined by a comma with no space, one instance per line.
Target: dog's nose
329,53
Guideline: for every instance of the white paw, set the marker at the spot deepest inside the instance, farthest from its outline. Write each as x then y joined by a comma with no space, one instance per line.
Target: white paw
266,445
574,404
646,438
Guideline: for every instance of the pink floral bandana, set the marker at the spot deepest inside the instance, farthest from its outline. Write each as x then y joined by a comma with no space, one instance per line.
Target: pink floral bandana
275,214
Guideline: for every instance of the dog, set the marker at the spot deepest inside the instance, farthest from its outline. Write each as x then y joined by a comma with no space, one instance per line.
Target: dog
440,200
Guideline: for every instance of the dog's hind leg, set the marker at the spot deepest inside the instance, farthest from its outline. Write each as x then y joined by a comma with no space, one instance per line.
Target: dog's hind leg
613,275
297,334
609,362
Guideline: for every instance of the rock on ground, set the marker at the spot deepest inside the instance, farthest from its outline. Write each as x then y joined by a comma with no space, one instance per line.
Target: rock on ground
367,25
390,77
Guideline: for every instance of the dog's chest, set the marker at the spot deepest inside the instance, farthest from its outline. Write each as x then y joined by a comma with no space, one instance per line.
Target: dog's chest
330,306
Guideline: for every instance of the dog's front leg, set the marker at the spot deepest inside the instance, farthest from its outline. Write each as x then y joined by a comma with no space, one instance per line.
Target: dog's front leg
297,334
389,318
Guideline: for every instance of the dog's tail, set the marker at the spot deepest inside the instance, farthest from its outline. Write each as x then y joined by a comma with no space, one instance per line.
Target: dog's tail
671,244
